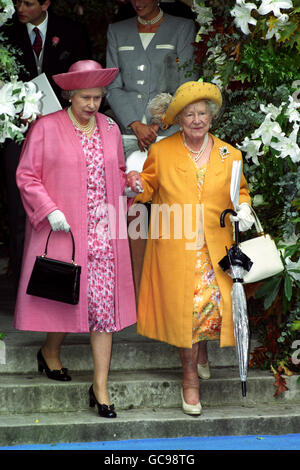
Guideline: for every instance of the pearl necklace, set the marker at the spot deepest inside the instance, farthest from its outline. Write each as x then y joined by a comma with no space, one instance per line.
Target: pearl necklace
196,154
87,128
153,21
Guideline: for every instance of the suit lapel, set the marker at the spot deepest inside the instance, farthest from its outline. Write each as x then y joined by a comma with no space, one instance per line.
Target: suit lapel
161,36
48,47
25,45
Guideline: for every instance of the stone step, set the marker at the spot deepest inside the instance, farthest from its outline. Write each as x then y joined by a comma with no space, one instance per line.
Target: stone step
87,426
130,352
139,389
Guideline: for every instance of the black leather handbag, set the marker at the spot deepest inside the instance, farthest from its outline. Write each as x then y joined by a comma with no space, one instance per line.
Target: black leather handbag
55,280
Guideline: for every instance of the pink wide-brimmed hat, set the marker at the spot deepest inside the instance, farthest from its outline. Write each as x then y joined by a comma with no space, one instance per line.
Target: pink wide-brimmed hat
85,74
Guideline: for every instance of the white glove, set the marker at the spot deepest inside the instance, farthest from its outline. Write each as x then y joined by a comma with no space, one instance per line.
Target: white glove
58,221
244,217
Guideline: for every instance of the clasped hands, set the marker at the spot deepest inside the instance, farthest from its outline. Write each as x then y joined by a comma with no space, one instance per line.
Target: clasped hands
134,181
145,133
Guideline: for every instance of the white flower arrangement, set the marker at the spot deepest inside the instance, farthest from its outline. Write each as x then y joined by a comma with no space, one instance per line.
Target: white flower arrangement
7,10
243,17
20,102
242,13
270,133
274,6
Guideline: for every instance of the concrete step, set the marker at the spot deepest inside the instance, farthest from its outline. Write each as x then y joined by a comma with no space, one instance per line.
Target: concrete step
87,426
138,389
130,352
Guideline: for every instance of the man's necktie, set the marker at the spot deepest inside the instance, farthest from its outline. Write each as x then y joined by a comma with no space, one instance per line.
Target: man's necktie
38,43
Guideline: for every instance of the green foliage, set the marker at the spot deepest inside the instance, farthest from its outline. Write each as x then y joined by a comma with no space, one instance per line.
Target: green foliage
263,64
257,71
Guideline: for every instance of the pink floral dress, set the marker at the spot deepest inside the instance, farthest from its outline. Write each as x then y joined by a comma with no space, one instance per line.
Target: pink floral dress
100,263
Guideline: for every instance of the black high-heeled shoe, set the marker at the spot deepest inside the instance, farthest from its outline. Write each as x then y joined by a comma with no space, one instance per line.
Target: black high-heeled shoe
61,374
103,410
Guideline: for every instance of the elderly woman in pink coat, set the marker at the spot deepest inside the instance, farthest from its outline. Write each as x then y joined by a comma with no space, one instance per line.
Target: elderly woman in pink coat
71,174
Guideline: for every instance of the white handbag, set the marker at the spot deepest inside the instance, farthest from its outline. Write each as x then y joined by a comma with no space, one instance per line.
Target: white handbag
263,253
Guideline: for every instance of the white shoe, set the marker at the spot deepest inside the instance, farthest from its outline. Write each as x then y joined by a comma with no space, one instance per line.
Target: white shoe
190,409
203,371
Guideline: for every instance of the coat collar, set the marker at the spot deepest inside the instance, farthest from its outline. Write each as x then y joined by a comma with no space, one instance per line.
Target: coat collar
217,163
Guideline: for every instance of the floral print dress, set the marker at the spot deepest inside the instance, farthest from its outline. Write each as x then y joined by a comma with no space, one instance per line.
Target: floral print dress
100,263
206,305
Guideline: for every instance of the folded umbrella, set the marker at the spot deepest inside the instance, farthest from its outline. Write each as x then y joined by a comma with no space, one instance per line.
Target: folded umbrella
235,264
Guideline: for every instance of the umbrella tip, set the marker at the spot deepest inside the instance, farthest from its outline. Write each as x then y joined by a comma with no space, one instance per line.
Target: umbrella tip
244,389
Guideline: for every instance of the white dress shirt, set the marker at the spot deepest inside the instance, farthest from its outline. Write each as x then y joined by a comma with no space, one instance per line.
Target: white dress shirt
43,30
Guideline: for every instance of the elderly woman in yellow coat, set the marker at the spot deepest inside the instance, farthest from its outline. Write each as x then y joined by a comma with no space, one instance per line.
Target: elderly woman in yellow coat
185,297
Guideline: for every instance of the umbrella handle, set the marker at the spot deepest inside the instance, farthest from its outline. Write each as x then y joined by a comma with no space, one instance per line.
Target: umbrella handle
236,224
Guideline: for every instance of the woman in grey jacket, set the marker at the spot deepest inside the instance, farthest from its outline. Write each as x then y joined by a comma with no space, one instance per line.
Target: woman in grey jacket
153,52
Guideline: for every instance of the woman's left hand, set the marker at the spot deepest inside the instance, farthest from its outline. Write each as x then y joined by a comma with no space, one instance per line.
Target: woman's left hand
134,182
244,217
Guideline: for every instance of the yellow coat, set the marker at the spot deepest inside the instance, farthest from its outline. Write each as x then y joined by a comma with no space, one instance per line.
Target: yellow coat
167,284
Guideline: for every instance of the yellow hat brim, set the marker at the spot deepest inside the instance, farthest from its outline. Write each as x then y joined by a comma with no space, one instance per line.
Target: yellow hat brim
188,93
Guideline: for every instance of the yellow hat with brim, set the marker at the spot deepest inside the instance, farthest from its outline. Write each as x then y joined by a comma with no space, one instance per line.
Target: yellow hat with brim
188,93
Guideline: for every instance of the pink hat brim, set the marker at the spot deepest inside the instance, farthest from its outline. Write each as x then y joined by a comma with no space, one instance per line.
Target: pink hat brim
85,79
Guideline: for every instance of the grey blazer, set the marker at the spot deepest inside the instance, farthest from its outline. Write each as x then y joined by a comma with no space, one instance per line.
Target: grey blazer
145,73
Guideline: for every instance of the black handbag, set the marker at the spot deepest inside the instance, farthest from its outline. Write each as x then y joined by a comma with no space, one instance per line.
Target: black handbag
55,280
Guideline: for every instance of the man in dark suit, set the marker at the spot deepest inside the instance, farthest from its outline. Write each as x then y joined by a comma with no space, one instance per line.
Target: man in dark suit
52,49
63,42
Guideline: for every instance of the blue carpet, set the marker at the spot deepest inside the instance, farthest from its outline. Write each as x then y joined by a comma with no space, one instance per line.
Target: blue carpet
289,442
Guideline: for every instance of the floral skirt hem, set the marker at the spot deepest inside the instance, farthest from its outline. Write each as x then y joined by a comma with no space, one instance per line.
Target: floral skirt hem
101,295
207,320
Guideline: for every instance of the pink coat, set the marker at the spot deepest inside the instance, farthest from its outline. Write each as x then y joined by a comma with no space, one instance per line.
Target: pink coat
52,175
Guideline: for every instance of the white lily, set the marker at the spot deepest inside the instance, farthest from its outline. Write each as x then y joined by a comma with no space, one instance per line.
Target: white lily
271,109
293,265
31,98
276,25
291,111
9,130
287,146
7,100
267,130
274,5
242,13
251,147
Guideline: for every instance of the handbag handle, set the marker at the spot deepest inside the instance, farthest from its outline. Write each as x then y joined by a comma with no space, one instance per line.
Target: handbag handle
257,223
73,243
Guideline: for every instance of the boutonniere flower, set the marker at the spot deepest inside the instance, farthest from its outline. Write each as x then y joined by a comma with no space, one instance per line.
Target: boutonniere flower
224,152
55,40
